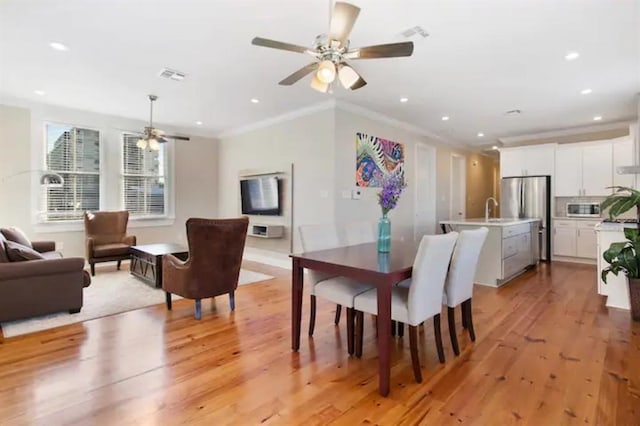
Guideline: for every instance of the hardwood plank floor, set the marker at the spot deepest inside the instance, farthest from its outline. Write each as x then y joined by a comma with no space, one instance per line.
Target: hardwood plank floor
547,353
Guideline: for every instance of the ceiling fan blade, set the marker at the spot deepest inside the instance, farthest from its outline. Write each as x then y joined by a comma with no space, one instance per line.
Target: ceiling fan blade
391,50
342,19
178,138
293,78
274,44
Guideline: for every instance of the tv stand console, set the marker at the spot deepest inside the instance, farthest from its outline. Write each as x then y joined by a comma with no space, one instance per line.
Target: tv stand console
265,231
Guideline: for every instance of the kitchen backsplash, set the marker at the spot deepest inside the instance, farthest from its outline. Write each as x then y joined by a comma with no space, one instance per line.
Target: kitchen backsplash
561,206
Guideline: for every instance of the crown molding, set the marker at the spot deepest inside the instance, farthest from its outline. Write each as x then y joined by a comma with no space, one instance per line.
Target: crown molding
567,132
300,112
374,115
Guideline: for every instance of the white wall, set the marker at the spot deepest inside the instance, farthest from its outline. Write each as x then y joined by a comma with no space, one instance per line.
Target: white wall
21,148
307,143
322,147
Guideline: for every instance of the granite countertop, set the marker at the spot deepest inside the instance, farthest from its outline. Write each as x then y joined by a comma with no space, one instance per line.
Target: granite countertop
499,222
592,219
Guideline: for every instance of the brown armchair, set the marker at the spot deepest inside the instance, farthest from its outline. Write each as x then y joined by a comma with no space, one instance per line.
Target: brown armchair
106,238
213,266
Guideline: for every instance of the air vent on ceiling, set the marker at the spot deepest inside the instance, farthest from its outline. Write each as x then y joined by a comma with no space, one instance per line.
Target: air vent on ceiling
513,112
415,33
172,74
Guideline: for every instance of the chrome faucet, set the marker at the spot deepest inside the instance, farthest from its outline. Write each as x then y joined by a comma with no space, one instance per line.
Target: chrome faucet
486,207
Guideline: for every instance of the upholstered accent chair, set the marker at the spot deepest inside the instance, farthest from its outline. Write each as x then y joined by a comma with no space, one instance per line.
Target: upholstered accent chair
458,288
106,238
213,267
415,299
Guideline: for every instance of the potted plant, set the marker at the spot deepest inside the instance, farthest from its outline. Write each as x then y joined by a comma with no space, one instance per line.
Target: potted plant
625,255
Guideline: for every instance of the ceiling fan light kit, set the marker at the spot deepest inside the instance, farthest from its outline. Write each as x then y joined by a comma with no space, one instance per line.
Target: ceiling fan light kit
152,137
332,51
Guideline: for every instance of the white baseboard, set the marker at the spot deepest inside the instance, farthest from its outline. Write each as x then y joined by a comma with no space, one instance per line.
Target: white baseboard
273,258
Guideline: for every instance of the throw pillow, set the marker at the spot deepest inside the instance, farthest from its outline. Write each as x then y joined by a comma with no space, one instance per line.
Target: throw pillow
18,253
16,235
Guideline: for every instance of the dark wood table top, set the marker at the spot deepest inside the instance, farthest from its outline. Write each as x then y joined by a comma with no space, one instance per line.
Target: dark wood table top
365,259
160,249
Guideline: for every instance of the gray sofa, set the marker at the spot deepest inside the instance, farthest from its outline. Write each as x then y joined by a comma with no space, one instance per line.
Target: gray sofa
39,287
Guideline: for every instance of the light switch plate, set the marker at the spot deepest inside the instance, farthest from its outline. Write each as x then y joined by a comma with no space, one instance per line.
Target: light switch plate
356,194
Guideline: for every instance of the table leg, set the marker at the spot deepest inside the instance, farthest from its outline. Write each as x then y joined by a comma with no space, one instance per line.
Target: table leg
384,338
296,303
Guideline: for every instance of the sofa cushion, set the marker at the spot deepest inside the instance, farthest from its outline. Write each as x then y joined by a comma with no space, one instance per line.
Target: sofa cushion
16,235
18,253
107,250
51,255
3,250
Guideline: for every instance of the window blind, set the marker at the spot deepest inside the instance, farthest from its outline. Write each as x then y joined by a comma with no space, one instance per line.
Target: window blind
73,153
143,178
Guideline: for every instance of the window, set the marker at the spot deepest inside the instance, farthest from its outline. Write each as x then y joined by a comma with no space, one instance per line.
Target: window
74,154
144,186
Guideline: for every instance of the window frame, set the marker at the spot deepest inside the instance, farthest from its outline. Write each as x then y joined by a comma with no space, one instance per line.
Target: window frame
168,181
41,202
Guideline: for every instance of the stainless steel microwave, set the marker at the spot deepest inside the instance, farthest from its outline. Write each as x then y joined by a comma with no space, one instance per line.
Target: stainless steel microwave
583,209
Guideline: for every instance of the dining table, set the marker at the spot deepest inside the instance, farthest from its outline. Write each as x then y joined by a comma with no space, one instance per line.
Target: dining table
363,263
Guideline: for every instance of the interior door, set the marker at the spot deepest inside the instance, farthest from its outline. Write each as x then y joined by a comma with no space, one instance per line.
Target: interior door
425,192
458,196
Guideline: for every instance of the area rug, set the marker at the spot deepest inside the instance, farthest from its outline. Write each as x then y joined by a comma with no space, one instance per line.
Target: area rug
110,293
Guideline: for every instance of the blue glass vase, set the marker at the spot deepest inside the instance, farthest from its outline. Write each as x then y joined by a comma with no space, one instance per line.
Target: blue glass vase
384,234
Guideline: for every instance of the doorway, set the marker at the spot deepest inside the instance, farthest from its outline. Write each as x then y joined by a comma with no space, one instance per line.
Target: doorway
424,222
458,193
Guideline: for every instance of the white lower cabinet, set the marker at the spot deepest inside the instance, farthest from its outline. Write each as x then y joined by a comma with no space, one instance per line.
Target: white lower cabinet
574,238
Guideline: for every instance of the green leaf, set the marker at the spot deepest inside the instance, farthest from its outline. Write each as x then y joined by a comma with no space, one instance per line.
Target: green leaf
613,251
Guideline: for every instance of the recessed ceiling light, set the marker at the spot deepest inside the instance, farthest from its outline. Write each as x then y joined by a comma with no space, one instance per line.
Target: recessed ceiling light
585,91
480,135
58,46
597,118
445,118
403,100
199,123
494,147
39,92
255,101
571,56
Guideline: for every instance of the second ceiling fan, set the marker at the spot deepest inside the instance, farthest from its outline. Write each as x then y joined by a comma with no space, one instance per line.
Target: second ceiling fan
331,52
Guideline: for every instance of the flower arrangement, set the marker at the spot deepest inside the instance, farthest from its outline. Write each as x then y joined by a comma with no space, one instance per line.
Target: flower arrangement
392,187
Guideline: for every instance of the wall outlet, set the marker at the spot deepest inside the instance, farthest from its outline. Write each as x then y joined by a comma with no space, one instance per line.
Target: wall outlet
59,245
356,194
324,193
346,194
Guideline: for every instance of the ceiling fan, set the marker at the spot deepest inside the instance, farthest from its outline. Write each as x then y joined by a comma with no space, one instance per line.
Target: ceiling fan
152,137
332,50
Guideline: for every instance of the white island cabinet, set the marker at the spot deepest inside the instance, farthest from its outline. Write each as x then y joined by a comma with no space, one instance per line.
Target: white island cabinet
510,249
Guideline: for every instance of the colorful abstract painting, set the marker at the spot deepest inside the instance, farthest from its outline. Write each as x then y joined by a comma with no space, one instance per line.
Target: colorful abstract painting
376,158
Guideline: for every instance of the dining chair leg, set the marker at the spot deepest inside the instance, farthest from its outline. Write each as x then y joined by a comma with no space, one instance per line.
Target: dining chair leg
350,331
198,309
232,300
464,317
336,321
472,333
312,315
451,316
415,359
393,328
438,335
359,337
400,329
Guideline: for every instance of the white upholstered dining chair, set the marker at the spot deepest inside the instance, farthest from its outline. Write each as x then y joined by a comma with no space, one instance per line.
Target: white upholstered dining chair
359,233
458,288
418,299
339,290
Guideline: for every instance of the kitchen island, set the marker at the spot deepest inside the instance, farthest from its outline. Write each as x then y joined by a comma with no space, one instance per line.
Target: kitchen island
512,247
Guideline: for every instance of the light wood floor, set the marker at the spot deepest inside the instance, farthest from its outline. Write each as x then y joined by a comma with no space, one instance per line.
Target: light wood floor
548,353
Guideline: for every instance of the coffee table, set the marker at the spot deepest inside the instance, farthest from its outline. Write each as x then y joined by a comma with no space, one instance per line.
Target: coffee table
146,261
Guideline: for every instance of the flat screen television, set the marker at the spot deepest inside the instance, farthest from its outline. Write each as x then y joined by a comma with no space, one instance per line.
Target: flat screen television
260,196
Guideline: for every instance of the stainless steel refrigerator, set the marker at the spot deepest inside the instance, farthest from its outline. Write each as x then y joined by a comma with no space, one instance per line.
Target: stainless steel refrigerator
529,197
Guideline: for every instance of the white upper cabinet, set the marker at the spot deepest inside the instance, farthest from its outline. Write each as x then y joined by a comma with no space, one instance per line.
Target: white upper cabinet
527,160
568,176
583,169
623,155
597,169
